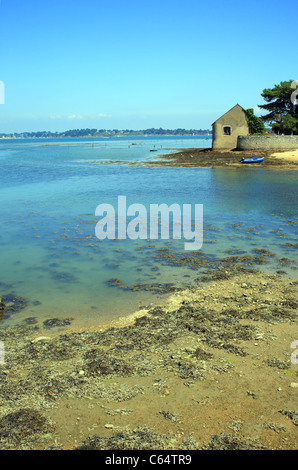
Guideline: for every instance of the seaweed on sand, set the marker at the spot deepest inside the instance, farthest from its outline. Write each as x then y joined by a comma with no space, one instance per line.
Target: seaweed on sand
229,442
141,438
21,427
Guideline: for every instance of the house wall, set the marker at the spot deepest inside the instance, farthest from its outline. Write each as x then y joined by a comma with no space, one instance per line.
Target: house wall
235,118
267,142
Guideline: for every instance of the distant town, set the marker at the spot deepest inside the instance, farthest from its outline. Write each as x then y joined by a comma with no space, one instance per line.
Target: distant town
104,133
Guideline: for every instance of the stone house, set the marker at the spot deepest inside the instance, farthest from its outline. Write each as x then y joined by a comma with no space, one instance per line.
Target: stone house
228,127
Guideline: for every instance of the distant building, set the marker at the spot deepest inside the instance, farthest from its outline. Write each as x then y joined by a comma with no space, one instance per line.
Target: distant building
228,127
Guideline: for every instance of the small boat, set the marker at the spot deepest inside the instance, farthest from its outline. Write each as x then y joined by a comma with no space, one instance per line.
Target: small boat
252,160
153,150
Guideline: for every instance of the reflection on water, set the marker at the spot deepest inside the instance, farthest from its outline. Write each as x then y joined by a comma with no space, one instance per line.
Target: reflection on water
51,257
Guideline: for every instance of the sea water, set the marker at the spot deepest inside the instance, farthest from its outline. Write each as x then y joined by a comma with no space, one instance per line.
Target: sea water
51,257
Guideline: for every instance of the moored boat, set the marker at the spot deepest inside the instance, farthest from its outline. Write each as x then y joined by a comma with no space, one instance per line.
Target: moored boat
252,160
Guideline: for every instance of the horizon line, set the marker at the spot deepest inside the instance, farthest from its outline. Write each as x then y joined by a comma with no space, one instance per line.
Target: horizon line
150,130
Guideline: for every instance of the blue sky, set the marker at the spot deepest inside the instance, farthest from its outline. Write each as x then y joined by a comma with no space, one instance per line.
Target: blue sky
131,64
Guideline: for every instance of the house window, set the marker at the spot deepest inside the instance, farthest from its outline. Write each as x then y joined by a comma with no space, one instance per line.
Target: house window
227,130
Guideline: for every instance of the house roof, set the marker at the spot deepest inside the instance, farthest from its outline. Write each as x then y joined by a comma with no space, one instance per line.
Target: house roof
228,112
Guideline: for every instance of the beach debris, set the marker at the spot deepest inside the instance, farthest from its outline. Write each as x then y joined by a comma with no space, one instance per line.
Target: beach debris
274,362
172,416
274,427
118,411
293,415
41,338
230,442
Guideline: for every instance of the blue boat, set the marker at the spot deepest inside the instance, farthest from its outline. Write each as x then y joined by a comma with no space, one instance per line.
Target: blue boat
252,160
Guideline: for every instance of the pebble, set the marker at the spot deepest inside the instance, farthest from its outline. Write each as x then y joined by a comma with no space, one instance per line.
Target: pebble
259,335
41,338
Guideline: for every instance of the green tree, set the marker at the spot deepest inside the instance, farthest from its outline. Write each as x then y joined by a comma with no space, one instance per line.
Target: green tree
255,124
282,112
288,124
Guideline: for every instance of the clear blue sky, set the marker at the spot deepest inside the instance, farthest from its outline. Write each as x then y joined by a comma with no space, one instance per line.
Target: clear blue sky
132,64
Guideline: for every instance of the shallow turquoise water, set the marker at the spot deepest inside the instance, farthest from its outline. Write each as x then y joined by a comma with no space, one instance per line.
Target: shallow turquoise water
51,188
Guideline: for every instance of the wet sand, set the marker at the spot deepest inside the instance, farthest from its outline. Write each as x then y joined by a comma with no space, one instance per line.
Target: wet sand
211,368
290,156
228,158
206,157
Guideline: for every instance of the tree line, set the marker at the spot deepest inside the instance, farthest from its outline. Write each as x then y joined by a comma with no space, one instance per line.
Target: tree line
107,133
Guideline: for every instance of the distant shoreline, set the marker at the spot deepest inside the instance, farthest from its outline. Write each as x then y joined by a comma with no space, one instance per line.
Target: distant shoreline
81,133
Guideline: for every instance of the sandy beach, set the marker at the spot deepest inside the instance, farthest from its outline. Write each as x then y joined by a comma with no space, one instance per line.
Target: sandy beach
290,156
209,369
206,157
285,160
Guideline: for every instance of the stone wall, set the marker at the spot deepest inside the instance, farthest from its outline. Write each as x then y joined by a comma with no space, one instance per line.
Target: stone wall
267,142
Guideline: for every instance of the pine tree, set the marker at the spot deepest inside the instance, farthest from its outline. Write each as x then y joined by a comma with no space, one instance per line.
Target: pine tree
282,108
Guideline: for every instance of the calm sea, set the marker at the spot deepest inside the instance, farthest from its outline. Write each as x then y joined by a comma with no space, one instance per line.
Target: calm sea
49,252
